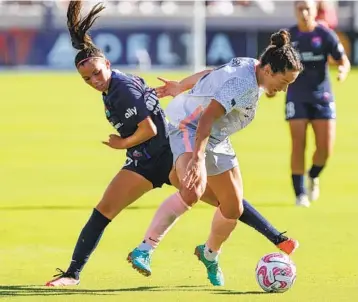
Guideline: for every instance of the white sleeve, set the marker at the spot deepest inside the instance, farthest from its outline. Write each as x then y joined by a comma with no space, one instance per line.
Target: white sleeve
229,92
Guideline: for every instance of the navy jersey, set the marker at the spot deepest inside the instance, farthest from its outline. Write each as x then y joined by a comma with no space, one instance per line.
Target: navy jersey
128,102
313,84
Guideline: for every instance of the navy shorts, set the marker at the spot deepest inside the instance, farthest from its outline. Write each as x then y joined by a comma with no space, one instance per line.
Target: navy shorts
310,111
155,169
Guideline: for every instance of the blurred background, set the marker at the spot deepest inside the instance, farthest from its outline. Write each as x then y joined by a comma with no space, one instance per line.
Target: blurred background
161,34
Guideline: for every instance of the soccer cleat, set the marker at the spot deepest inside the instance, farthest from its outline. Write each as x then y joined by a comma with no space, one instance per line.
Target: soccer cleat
288,246
215,274
302,201
63,279
140,261
313,188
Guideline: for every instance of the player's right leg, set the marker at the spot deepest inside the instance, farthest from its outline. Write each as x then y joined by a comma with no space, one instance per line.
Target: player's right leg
166,216
298,128
298,115
125,188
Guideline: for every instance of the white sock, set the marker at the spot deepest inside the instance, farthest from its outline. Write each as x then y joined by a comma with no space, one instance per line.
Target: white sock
211,255
145,247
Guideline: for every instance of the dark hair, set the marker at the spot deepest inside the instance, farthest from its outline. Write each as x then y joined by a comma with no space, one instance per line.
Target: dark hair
280,54
78,28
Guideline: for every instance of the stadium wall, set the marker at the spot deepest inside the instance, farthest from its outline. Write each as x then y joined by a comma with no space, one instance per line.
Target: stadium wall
148,47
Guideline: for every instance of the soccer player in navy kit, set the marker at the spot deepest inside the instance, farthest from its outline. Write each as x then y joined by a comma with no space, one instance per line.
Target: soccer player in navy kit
310,100
134,110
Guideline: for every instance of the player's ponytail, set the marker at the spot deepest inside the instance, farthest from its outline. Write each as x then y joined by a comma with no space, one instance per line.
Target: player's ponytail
78,28
280,54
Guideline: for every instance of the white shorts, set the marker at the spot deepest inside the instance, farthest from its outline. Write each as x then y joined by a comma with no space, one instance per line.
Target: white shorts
219,156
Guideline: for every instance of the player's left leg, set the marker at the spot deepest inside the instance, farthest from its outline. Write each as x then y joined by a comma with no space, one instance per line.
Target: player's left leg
325,133
125,188
227,186
252,218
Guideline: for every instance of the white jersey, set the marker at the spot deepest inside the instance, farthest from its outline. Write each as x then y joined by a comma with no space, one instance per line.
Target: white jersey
233,85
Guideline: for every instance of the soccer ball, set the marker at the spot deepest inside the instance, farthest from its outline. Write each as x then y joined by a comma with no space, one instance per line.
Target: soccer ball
275,273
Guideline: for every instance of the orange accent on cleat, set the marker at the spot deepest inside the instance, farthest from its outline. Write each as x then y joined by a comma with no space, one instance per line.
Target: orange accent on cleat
288,246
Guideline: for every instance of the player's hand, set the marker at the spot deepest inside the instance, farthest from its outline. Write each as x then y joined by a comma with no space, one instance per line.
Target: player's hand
193,177
115,142
170,88
342,73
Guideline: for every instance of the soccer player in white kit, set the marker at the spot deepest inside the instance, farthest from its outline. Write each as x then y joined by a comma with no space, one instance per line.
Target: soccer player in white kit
222,102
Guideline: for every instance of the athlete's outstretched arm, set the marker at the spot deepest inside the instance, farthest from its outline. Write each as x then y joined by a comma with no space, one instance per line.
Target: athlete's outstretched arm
173,88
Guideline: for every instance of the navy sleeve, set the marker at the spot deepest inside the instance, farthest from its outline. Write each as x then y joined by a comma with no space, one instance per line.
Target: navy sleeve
129,104
335,47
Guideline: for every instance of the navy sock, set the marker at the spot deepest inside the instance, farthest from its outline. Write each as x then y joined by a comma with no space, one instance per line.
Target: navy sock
87,242
298,184
254,219
315,171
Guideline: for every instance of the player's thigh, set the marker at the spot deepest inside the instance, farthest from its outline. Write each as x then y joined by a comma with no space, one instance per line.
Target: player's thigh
297,115
182,142
209,197
324,125
125,188
228,188
298,131
325,133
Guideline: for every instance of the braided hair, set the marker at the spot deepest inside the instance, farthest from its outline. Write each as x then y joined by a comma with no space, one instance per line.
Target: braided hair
78,27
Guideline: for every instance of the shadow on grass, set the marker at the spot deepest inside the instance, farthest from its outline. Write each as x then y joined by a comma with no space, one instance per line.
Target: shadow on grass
35,290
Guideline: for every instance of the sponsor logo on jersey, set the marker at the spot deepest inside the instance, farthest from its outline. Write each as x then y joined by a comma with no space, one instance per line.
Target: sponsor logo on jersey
130,112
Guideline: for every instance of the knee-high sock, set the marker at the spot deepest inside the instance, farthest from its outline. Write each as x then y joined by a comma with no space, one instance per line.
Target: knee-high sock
221,228
164,219
87,242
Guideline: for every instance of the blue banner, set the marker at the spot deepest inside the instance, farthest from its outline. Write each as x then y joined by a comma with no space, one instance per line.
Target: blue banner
166,48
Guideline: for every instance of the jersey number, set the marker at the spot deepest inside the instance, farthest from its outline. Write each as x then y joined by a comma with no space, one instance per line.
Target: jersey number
290,110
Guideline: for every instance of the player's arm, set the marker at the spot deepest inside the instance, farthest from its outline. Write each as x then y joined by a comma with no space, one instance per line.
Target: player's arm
344,67
173,88
132,100
190,81
222,103
193,174
338,54
145,131
213,112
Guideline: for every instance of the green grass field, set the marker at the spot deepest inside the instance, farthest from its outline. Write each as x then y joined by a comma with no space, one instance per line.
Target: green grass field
53,170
